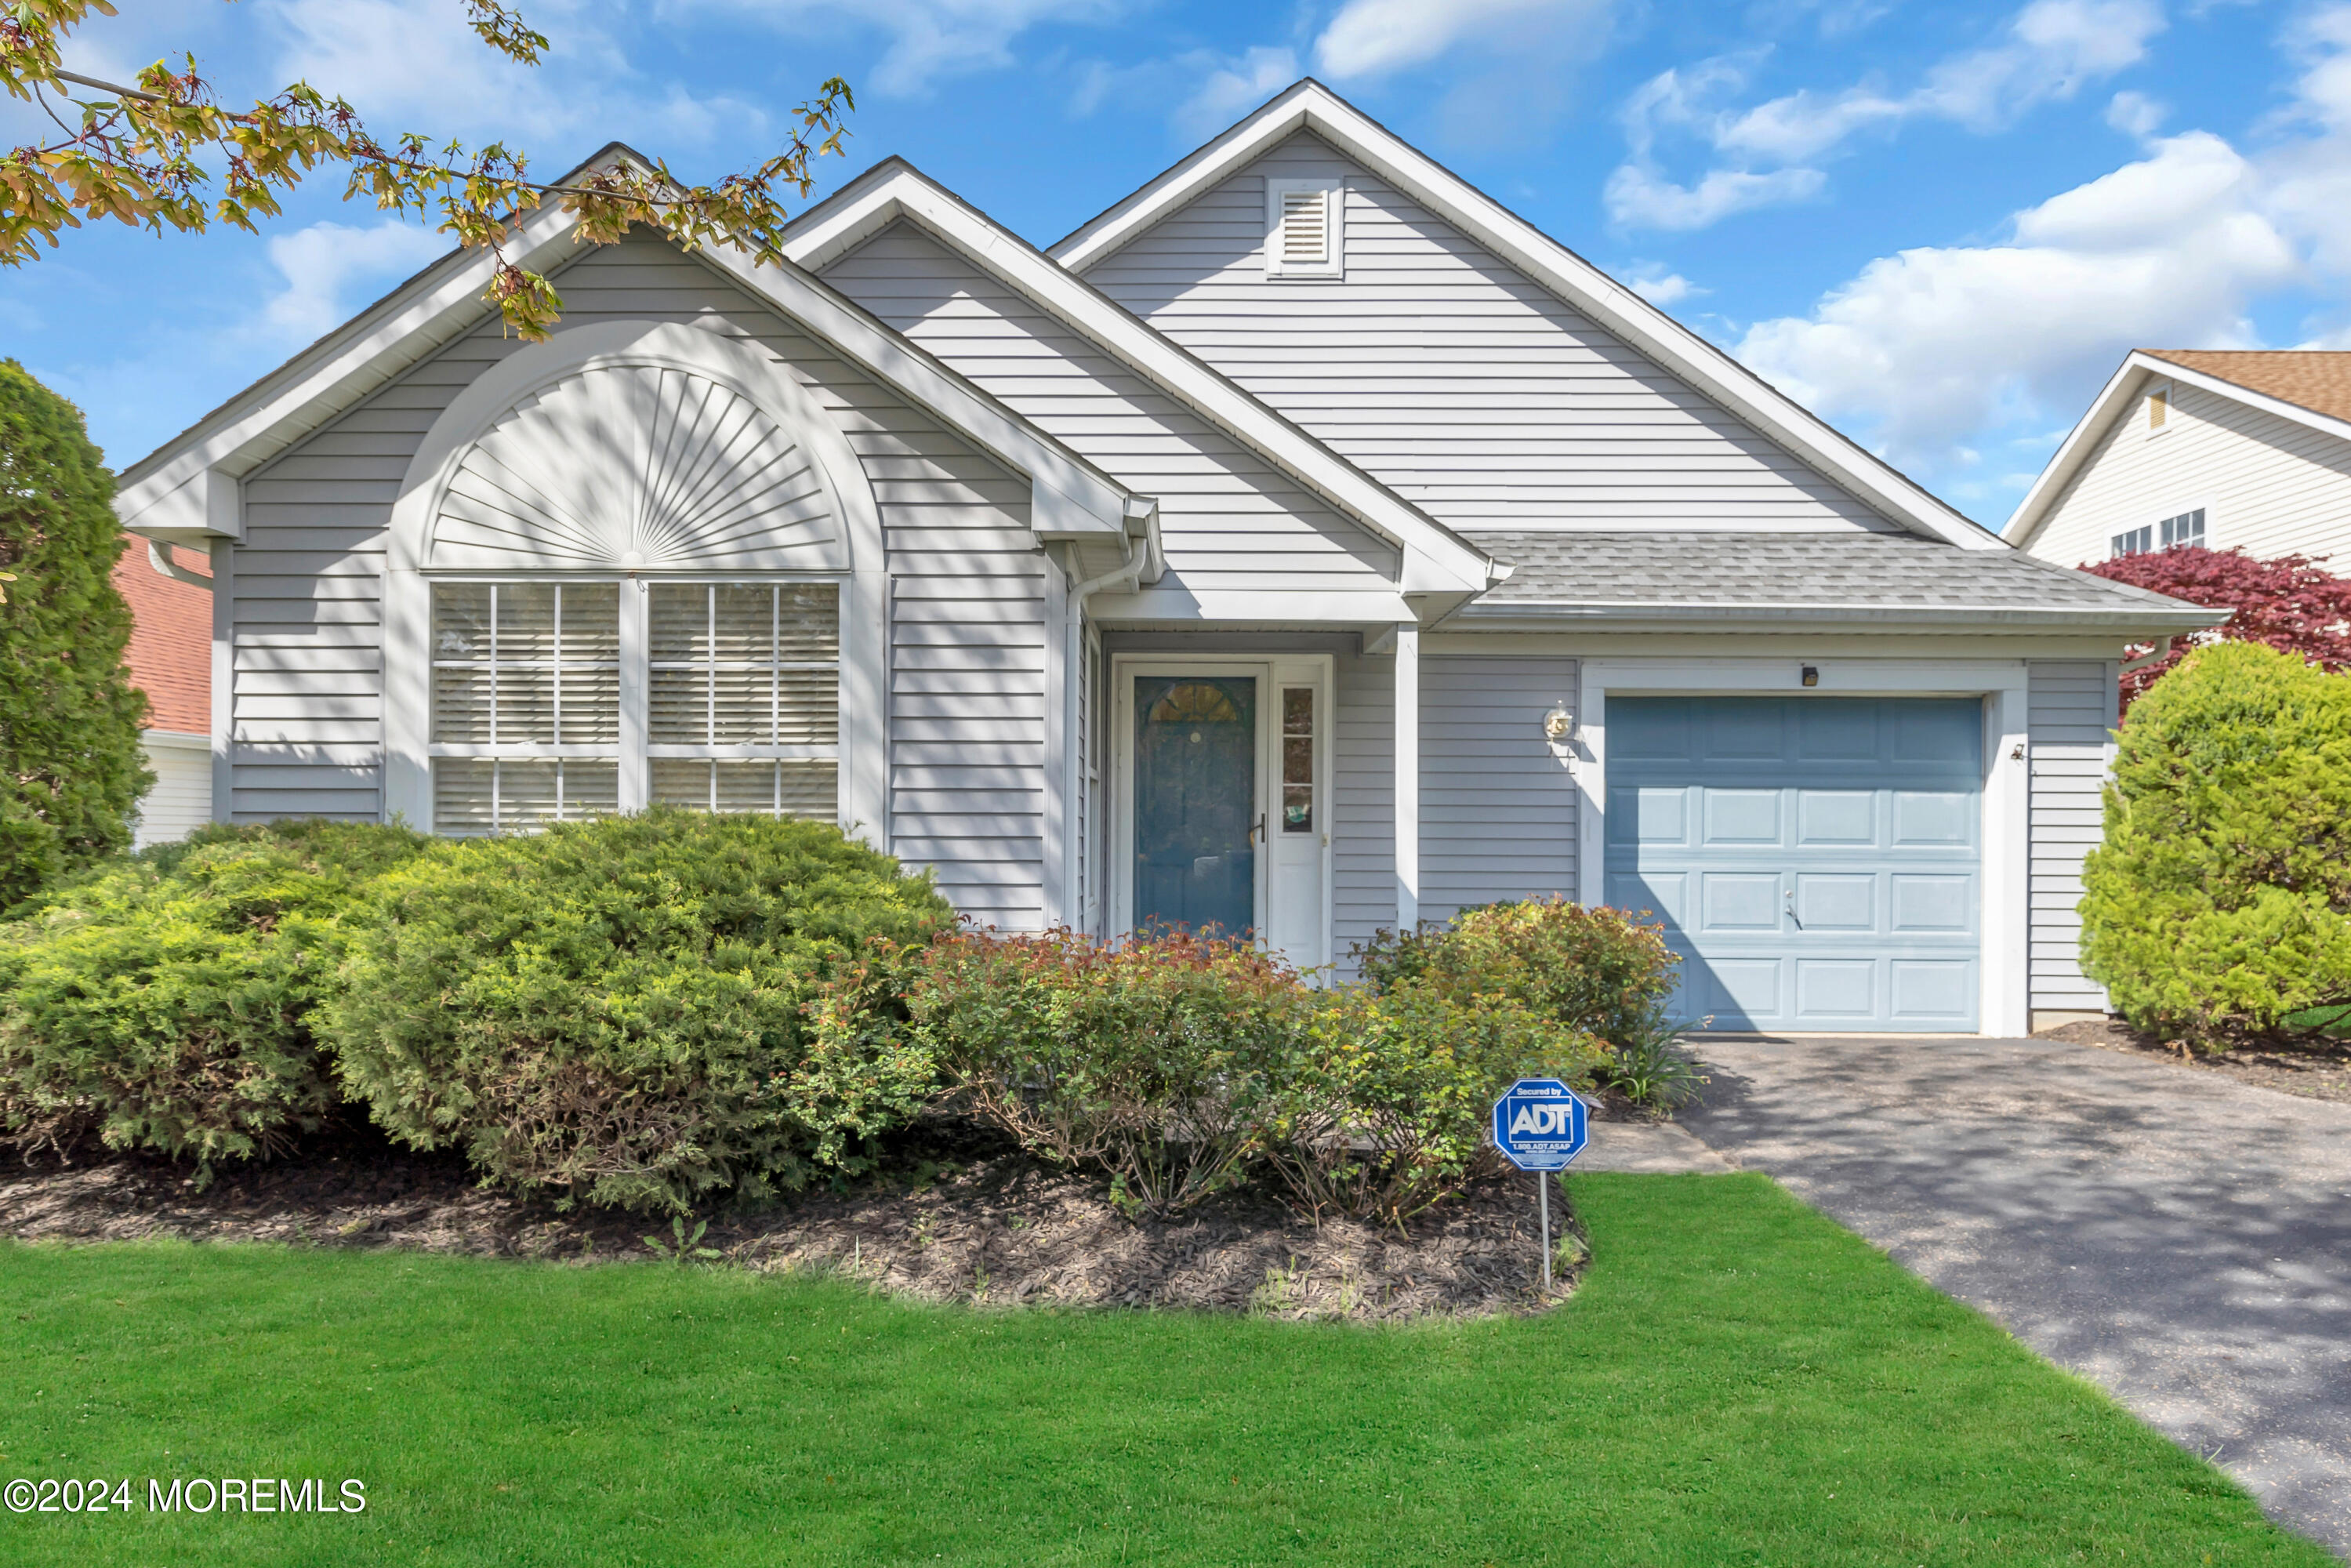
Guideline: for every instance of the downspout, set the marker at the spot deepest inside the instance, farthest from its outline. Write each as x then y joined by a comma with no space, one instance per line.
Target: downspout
1129,574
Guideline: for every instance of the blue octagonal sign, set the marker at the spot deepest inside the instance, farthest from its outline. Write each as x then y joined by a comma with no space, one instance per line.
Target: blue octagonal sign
1541,1124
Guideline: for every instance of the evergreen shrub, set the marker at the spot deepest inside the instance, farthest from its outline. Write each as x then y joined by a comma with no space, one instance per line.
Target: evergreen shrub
2219,903
638,1011
71,765
166,1000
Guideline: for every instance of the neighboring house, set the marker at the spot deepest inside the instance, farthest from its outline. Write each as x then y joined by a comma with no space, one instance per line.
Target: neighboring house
171,656
2226,449
1110,583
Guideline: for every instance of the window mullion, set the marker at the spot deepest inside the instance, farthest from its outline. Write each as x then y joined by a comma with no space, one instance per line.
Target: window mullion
635,784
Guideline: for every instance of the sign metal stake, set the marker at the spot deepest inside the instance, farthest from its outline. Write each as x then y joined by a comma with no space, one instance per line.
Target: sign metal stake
1543,1196
1541,1124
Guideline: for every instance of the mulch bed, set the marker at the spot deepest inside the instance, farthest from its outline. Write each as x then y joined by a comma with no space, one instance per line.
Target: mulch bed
2320,1070
961,1216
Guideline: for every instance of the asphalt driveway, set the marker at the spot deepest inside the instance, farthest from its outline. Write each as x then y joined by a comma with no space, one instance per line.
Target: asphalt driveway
2182,1239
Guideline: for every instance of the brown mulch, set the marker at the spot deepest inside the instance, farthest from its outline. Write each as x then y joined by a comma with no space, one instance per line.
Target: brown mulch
961,1217
2320,1070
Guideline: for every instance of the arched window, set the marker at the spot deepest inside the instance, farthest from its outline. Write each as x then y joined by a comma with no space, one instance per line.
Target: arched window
635,564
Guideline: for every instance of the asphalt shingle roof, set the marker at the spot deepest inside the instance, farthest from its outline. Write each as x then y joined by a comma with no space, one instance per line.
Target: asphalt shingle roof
1789,572
2316,378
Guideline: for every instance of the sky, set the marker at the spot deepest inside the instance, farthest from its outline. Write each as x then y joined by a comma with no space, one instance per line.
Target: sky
1940,226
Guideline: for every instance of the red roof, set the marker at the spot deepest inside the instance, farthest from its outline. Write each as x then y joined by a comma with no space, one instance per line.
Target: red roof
171,651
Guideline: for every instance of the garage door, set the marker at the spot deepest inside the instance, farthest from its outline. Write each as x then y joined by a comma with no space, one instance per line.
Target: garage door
1817,861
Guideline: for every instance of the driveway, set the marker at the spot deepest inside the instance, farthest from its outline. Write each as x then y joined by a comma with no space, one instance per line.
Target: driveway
2182,1239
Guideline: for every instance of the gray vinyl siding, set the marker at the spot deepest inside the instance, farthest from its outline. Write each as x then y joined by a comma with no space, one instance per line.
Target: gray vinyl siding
1497,804
967,639
1453,378
2072,708
1229,521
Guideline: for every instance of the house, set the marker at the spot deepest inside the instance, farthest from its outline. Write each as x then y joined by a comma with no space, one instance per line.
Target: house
2226,449
1112,583
170,659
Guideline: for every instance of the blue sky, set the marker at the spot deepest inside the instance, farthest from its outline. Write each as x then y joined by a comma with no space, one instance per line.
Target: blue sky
1939,225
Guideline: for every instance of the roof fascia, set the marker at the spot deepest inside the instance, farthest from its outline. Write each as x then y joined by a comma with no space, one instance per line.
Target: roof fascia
2023,525
1311,106
1436,559
1661,616
327,380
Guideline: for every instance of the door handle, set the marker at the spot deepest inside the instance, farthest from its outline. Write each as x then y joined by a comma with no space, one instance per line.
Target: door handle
1791,897
1257,830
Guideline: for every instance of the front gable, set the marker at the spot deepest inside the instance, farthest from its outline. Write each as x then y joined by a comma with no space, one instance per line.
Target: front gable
1454,378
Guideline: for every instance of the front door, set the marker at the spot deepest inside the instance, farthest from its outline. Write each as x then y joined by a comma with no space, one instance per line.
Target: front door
1198,825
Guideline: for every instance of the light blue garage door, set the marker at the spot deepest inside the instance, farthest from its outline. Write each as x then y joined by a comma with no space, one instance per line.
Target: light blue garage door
1817,859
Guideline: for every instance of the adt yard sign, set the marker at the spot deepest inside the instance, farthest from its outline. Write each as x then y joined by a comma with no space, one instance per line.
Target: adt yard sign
1539,1125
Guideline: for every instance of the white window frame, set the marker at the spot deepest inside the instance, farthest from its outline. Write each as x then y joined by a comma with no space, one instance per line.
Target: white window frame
2004,1001
860,764
1333,192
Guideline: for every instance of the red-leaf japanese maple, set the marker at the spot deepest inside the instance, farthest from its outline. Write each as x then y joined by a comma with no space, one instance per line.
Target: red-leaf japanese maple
2289,604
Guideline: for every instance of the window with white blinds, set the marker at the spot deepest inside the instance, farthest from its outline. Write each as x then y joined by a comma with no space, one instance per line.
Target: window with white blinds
732,687
526,703
743,699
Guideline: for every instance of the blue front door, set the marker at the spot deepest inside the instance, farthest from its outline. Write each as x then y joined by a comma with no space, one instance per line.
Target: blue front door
1195,802
1817,861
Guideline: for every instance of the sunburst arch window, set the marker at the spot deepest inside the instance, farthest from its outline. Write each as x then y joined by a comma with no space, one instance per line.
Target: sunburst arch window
635,564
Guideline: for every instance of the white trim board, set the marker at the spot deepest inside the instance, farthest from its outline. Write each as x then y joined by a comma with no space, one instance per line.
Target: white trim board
2122,389
2004,1003
1311,106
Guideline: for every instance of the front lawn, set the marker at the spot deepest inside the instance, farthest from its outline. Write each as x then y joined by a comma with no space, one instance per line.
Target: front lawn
1738,1382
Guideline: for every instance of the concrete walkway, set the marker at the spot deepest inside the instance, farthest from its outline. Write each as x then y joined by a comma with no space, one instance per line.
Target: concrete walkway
2182,1239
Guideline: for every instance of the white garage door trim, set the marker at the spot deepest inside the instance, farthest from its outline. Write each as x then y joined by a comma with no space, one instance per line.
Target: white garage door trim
2004,1006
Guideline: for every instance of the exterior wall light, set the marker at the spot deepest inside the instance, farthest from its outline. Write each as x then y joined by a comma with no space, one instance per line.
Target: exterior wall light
1559,725
1812,675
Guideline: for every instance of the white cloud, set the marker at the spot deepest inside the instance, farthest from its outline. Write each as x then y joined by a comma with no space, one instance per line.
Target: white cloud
2135,114
1231,88
1931,346
1637,197
930,40
417,66
1660,288
326,266
2052,48
1373,37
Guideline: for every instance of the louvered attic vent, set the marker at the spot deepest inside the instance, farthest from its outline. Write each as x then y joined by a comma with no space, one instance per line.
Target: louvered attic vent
1303,228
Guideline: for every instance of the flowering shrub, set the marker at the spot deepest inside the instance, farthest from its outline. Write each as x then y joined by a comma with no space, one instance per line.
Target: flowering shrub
1382,1107
2289,604
1153,1059
1594,969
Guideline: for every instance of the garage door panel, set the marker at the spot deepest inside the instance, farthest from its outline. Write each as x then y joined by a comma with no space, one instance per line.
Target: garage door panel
1742,817
1843,901
1934,992
1942,817
1836,992
1815,860
1933,904
1826,817
1837,731
1736,900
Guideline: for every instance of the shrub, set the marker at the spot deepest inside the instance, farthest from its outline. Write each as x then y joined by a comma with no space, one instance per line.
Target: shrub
2220,903
1385,1107
165,1000
1153,1059
1598,970
2289,603
621,1010
71,766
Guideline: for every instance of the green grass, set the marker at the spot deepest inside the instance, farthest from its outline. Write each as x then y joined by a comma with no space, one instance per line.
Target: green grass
1738,1382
